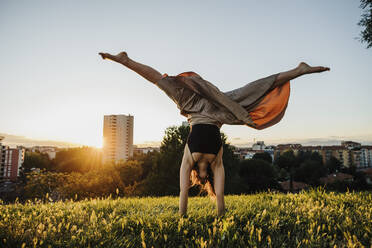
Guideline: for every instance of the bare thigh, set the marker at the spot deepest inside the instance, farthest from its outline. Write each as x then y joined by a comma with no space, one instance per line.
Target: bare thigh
198,156
207,157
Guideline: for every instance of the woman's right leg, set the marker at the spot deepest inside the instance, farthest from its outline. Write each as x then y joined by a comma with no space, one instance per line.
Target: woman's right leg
145,71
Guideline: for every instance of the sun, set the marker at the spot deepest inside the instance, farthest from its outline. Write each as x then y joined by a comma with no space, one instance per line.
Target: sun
96,143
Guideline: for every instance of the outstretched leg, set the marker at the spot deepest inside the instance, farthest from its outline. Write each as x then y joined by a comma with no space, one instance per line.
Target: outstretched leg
145,71
300,70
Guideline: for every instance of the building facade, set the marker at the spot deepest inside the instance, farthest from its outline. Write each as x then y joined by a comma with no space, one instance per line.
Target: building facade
2,158
145,150
117,138
11,160
366,156
349,153
51,151
14,158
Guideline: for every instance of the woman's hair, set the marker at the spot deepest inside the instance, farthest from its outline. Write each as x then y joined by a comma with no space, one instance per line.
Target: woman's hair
206,184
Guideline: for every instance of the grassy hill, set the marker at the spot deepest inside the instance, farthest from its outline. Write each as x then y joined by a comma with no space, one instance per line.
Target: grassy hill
307,219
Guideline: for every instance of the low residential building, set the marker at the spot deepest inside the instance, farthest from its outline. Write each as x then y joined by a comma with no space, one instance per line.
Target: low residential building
51,151
350,144
312,149
331,151
281,148
356,158
366,156
259,145
243,152
349,153
249,152
145,150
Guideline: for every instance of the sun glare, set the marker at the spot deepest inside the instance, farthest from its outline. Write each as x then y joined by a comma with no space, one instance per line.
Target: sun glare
96,143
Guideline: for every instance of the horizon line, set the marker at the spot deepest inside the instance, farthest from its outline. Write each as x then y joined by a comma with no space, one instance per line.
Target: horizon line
18,140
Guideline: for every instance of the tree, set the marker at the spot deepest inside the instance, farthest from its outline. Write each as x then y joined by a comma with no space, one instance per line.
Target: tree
306,166
349,170
302,156
310,172
359,181
147,162
315,156
366,22
38,184
288,162
36,160
231,166
333,165
257,175
264,156
163,178
130,172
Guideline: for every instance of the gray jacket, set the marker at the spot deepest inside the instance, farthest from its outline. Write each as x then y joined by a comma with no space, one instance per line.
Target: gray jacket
257,104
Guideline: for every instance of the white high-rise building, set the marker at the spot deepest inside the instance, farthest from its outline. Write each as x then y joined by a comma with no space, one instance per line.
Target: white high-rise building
117,137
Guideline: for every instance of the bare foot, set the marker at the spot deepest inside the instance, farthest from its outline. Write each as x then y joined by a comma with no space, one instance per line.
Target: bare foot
306,69
120,57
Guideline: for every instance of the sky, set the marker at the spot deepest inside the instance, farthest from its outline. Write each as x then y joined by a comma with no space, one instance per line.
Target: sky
54,86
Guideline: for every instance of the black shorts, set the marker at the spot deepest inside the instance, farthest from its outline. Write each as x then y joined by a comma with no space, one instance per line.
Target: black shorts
204,138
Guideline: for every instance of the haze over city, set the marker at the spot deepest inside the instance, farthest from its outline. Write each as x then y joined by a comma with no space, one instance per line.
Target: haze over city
55,87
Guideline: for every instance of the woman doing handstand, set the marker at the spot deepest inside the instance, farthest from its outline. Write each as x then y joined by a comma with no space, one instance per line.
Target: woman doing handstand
258,104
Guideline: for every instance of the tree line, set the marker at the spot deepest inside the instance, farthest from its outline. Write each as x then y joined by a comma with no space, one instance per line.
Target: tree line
78,173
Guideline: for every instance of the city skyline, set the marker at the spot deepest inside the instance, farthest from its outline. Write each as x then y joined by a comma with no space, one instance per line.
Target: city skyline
14,140
55,87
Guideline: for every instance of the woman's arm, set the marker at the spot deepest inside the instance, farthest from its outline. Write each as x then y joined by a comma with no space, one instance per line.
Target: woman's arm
219,183
145,71
185,172
219,186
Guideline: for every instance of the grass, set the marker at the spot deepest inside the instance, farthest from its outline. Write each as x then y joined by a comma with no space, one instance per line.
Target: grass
306,219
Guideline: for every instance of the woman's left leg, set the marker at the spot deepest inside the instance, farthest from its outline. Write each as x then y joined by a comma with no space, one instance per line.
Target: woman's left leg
300,70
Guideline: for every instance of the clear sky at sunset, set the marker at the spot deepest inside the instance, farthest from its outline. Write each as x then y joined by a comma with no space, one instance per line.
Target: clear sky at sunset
53,84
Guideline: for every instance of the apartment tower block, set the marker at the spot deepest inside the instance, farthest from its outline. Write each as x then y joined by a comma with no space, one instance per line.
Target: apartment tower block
117,137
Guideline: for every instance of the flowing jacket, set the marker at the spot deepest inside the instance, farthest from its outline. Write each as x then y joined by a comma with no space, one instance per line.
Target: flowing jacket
257,104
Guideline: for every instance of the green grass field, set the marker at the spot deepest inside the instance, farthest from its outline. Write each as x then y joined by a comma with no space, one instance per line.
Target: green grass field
307,219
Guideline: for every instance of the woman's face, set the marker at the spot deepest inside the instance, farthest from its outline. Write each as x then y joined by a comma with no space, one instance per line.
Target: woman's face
202,169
